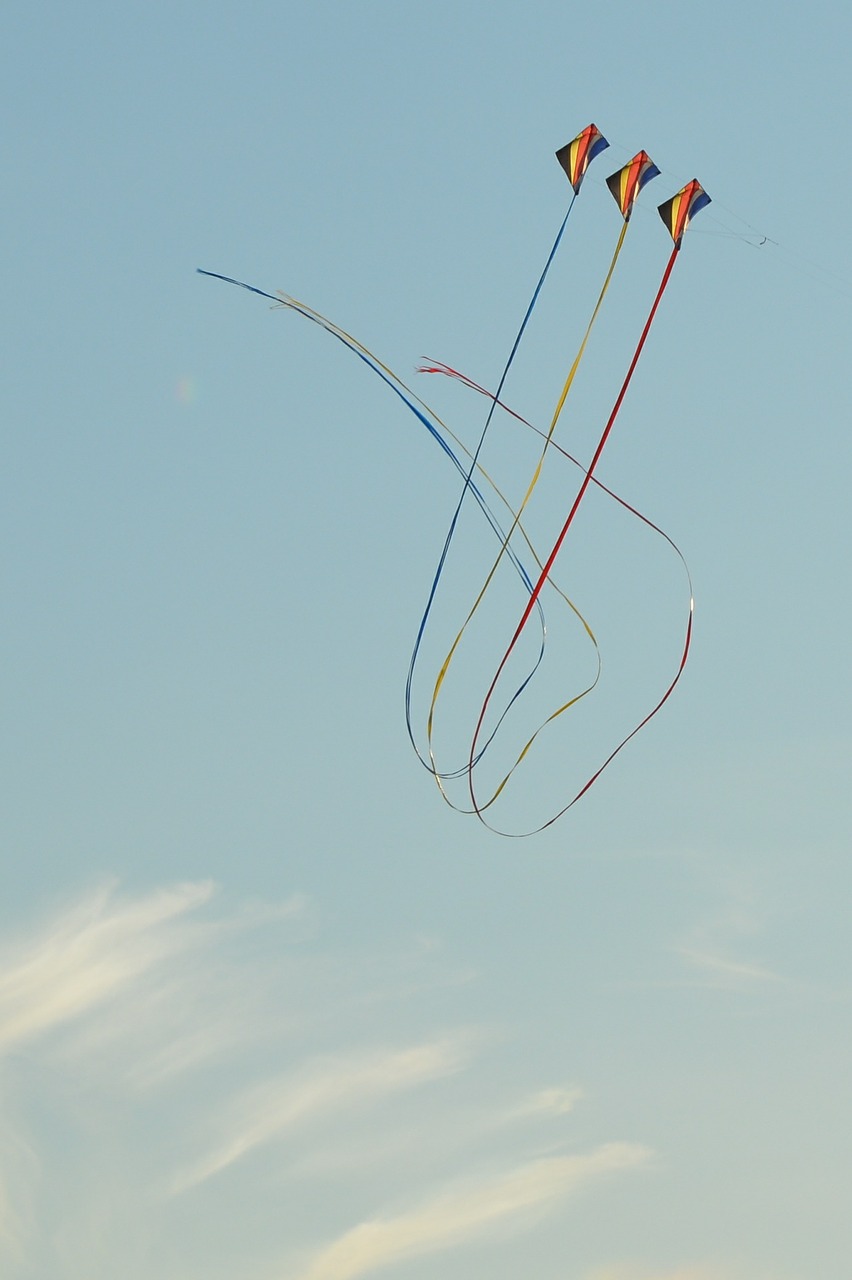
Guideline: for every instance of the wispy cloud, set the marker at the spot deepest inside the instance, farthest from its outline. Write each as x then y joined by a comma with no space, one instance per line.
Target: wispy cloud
143,976
716,945
150,1042
549,1102
464,1214
323,1087
723,972
86,956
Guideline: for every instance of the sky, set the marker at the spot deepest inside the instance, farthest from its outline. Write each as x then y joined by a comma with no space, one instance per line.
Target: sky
269,1007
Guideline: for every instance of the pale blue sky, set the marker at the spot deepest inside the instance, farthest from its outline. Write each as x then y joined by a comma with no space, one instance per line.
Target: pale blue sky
268,1008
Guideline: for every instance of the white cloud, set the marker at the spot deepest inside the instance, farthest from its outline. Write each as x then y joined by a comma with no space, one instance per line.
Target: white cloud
467,1213
87,956
723,972
143,986
556,1102
715,945
121,993
324,1087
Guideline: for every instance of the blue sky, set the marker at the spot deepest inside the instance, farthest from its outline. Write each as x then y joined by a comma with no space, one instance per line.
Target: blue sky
268,1007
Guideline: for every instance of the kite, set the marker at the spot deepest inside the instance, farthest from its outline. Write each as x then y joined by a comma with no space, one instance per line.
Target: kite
626,184
532,569
678,212
576,156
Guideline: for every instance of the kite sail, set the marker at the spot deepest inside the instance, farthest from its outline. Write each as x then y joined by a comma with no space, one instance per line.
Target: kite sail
628,181
505,516
678,212
576,156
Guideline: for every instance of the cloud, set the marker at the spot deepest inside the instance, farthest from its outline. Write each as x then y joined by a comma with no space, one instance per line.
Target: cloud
723,972
142,985
322,1088
467,1213
87,956
555,1102
150,1042
715,944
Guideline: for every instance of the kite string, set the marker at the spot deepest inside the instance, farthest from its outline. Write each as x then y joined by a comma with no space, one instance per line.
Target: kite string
587,479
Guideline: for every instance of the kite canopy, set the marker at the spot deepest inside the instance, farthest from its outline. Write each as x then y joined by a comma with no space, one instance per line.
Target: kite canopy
626,183
575,157
678,212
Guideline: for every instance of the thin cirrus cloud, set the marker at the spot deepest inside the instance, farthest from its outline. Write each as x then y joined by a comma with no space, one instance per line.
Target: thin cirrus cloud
466,1214
118,994
136,974
323,1088
553,1102
715,945
722,971
88,955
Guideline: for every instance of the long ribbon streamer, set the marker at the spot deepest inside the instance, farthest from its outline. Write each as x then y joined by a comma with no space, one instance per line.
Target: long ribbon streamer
478,806
428,759
435,427
560,404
